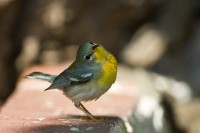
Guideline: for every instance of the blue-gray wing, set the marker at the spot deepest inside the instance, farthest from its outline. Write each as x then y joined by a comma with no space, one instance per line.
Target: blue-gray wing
69,78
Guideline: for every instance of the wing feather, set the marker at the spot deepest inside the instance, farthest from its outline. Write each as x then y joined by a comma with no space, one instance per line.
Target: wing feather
68,78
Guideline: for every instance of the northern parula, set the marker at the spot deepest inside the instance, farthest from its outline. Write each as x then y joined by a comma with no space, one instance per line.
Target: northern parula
87,78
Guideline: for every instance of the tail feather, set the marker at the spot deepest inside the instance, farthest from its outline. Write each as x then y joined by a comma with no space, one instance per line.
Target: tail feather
41,76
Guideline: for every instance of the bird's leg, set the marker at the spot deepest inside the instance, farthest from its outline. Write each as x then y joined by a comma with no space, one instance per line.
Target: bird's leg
80,106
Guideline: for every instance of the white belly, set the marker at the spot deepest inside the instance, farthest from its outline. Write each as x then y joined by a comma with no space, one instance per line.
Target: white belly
86,92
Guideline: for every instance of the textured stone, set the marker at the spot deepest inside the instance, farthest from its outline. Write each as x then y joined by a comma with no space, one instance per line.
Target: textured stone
30,109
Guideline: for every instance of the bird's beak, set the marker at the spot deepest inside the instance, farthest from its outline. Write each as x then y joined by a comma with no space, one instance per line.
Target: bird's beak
94,46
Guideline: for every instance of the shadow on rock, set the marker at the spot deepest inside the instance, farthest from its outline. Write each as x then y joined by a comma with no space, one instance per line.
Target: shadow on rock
82,124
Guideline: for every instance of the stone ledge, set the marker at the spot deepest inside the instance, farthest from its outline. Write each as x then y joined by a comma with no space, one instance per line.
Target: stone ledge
64,124
30,109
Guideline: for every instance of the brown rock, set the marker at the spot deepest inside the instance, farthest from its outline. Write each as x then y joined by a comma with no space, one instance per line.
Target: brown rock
30,109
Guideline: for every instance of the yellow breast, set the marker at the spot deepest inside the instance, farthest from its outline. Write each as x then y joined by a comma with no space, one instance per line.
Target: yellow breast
109,65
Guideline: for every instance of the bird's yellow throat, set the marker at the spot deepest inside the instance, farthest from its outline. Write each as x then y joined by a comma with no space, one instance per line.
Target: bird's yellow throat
109,66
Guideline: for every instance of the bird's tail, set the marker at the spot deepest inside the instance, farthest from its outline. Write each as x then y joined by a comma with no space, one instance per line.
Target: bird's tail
41,76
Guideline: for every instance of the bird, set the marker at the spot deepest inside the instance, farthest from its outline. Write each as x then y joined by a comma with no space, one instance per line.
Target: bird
90,75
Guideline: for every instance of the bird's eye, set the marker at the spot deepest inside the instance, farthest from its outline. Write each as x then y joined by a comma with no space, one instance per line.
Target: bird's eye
88,57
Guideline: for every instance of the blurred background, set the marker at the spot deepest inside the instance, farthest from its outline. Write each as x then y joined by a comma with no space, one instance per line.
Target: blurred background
157,37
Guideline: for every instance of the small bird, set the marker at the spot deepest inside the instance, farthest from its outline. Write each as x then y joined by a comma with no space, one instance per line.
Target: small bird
91,74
